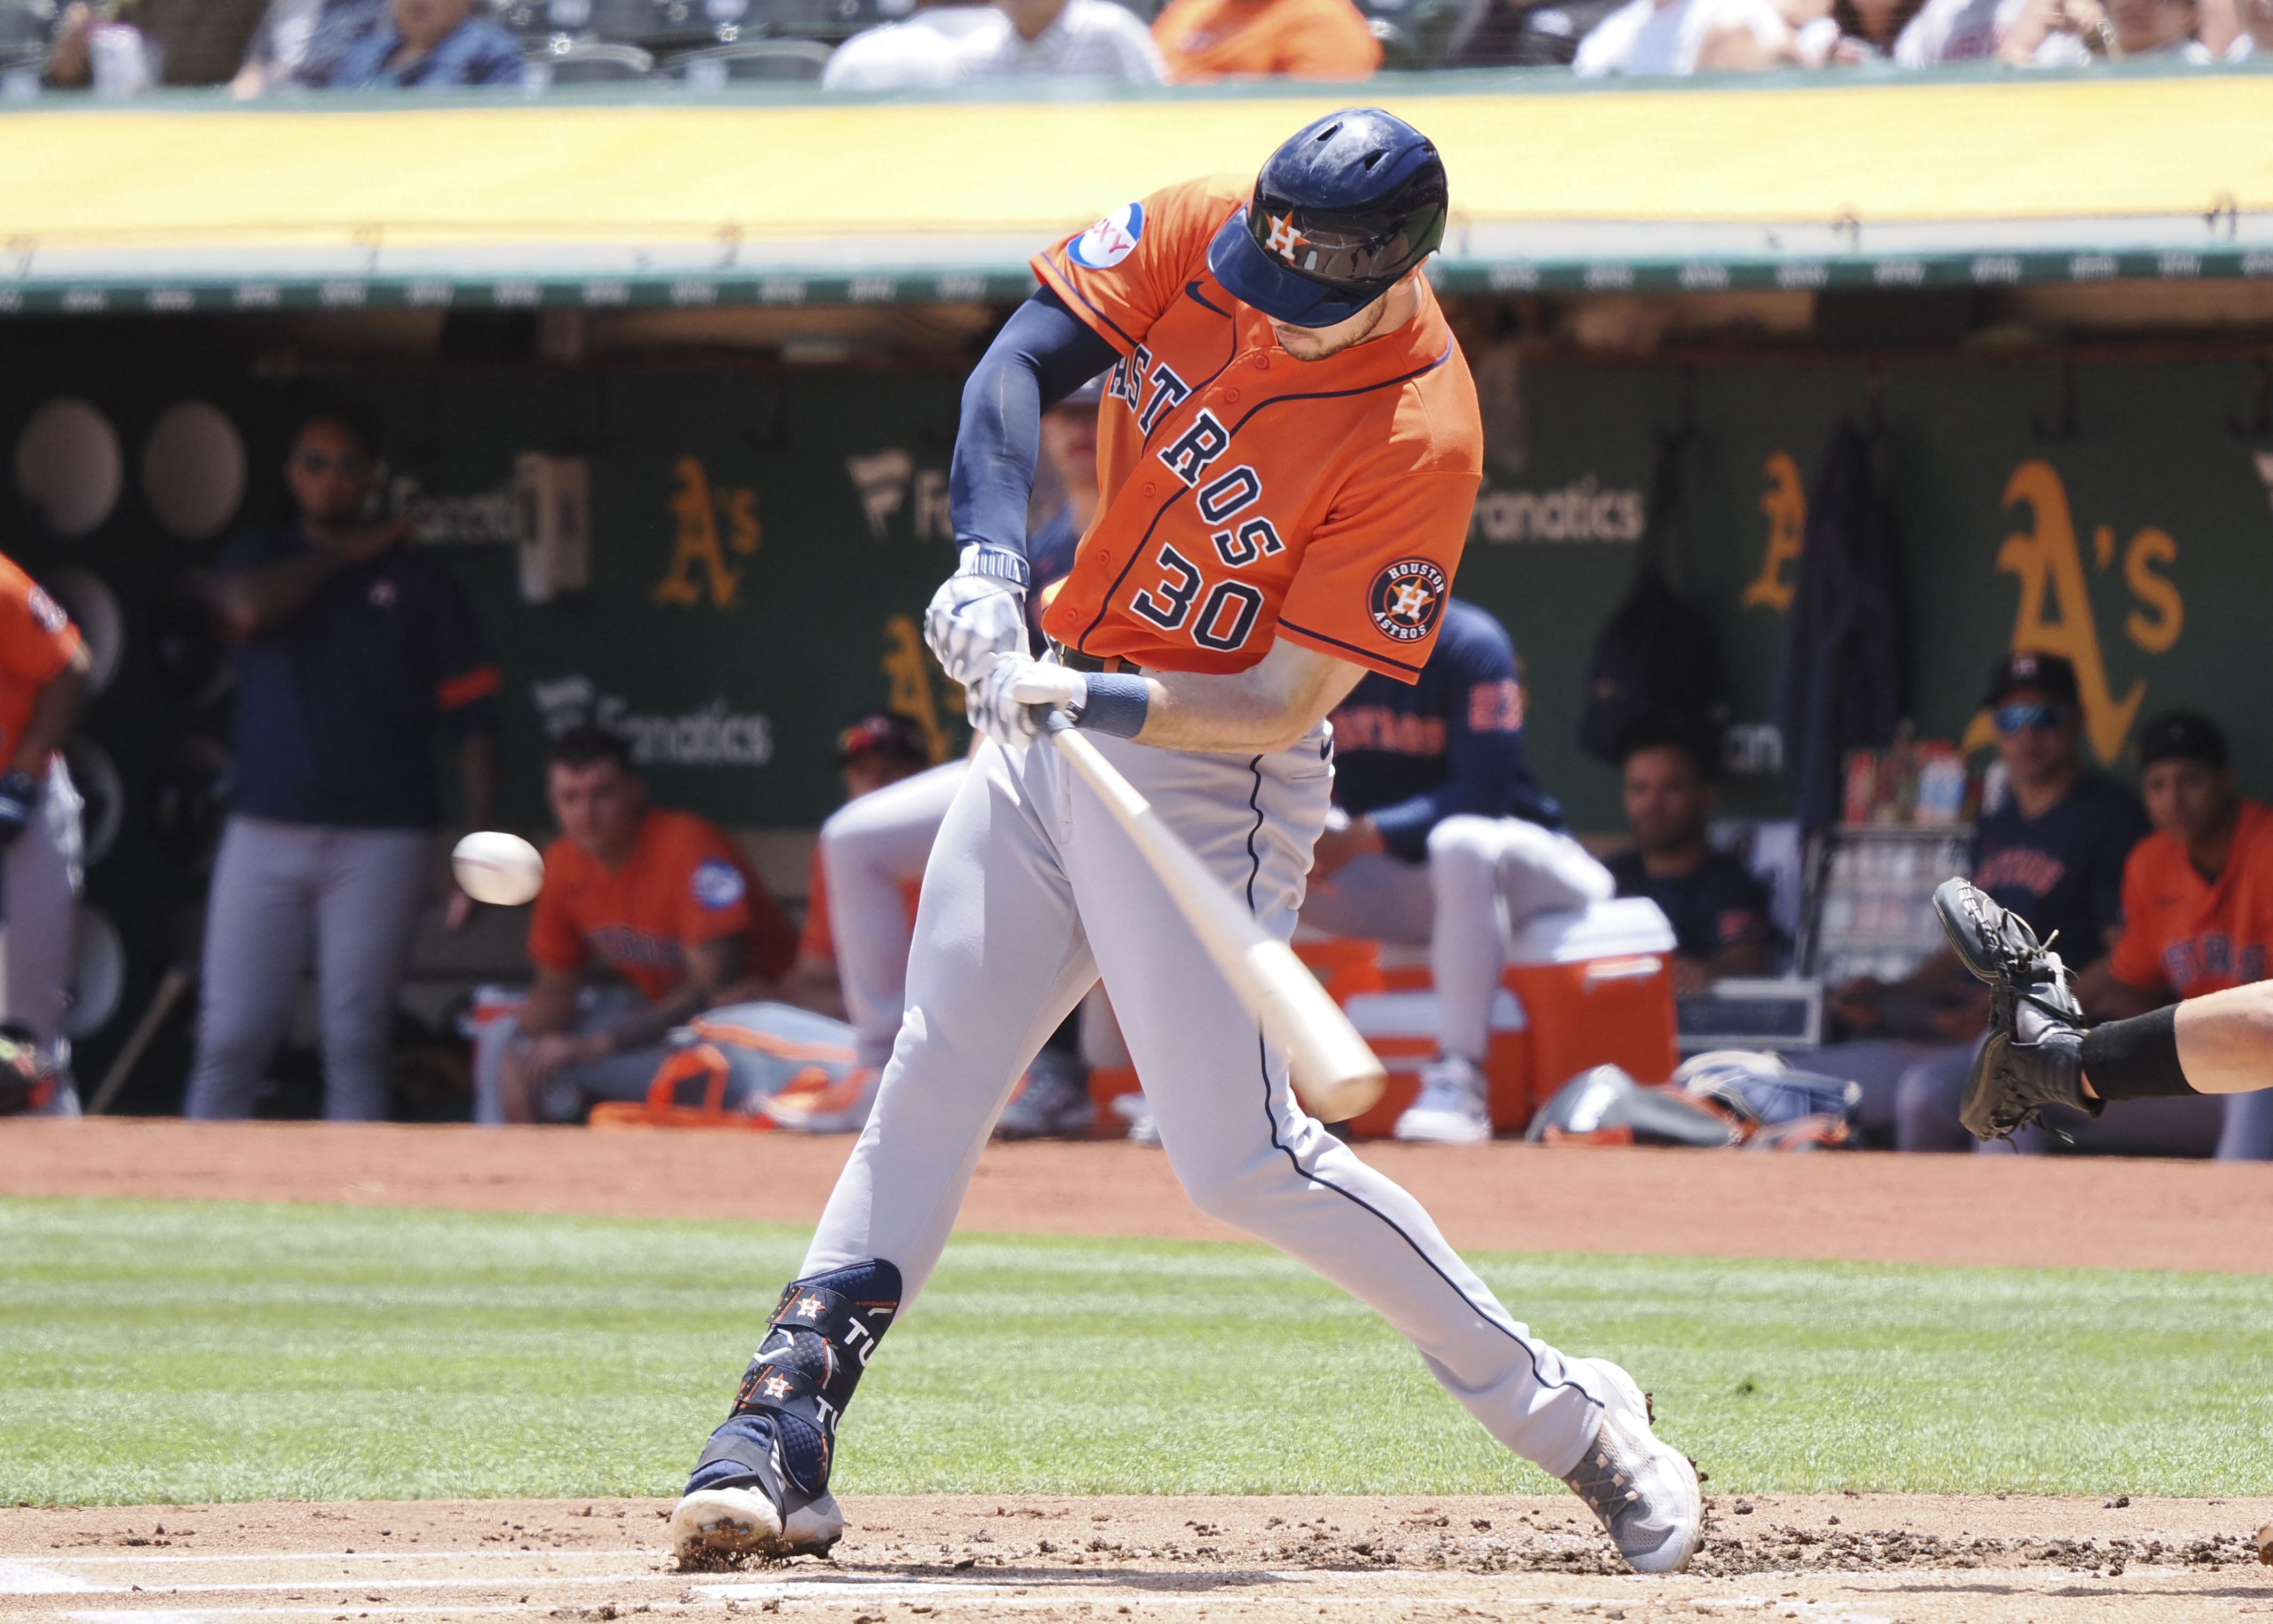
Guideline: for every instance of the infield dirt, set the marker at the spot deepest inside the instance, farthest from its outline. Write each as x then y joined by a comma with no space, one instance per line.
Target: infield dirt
1928,1559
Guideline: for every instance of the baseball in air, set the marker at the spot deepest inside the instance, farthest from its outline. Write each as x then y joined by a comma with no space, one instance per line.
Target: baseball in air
497,868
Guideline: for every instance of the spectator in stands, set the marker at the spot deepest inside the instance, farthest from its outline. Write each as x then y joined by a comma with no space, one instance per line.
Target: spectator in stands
1683,36
1205,39
432,43
2197,902
1718,908
922,52
2068,33
882,749
1854,31
1959,31
1088,38
662,900
2256,20
43,677
352,650
2052,851
1442,836
1523,33
300,43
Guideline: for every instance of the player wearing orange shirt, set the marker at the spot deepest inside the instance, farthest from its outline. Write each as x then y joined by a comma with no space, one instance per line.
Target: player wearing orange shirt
43,673
1288,458
1202,40
664,899
2197,900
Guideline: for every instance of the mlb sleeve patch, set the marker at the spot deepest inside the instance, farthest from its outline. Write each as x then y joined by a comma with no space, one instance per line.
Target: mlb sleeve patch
717,885
1119,274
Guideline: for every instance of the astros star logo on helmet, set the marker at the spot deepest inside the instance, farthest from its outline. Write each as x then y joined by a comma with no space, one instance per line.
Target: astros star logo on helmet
1283,242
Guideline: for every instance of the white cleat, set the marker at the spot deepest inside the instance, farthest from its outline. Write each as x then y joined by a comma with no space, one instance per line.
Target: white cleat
1642,1489
1450,1109
732,1522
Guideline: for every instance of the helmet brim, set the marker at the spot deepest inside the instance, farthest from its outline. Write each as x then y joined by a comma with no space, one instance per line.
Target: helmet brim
1249,275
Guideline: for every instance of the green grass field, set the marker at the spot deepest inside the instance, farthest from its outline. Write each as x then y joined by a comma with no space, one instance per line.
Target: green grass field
179,1352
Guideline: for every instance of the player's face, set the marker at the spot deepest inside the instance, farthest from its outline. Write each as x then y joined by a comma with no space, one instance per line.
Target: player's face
867,774
2043,745
1070,441
329,473
1316,343
598,806
2186,800
1668,801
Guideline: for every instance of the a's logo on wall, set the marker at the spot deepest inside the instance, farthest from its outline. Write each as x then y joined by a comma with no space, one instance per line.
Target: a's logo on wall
1407,600
698,557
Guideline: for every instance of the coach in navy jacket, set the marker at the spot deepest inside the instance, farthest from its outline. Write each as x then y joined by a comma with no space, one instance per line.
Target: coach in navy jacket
1443,836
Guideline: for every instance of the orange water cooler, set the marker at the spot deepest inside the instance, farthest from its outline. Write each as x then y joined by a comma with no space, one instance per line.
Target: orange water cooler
1579,990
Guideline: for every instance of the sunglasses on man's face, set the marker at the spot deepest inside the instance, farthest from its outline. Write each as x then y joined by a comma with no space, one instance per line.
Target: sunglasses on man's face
353,464
2010,719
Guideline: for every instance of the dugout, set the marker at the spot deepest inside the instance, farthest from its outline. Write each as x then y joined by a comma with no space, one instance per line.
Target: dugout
745,315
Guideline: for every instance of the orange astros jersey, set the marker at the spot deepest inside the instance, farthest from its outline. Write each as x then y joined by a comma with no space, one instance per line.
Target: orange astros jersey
1248,496
2190,934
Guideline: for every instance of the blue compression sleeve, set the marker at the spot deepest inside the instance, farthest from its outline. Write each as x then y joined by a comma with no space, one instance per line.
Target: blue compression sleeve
1043,354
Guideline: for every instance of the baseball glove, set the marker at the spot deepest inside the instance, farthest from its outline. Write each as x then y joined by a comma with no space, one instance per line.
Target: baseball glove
27,1077
2033,1056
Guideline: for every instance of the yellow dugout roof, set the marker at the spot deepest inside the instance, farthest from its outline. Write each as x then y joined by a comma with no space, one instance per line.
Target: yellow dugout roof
667,196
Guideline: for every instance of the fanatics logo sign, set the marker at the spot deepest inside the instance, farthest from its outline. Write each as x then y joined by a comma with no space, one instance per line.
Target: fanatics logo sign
1407,600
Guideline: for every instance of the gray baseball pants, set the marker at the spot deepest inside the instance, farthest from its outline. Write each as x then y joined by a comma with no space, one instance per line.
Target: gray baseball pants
1483,879
41,877
1033,892
282,891
871,847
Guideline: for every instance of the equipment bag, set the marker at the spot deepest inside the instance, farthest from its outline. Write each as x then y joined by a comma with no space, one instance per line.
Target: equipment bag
1656,658
756,1065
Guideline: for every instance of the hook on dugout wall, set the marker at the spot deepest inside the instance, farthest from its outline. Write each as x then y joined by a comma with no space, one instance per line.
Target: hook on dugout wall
2064,427
2259,424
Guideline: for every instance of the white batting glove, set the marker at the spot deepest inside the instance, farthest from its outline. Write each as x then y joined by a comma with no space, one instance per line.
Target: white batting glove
1009,703
978,612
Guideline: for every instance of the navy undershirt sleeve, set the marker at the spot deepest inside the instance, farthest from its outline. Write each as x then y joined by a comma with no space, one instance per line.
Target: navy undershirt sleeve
1486,767
1043,354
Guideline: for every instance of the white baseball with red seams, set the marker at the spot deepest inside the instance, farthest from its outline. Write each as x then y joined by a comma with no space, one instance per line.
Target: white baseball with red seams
500,869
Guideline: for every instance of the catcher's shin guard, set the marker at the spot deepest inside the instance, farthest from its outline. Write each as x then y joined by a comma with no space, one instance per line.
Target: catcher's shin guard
2033,1056
762,1484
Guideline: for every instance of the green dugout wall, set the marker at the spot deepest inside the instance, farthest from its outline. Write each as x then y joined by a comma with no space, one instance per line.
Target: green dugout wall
765,542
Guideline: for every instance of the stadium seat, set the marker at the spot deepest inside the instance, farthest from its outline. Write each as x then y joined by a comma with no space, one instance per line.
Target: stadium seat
598,62
750,59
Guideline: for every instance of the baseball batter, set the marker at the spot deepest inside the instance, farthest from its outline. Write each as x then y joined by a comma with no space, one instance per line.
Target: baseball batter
1289,456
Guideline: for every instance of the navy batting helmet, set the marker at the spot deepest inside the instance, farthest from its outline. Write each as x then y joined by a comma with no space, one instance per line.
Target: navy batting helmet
1343,209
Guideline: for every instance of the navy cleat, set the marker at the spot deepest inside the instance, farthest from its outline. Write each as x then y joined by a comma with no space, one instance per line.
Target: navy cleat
1644,1490
762,1485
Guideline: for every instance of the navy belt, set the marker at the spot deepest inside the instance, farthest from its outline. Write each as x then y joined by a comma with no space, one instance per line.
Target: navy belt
1075,659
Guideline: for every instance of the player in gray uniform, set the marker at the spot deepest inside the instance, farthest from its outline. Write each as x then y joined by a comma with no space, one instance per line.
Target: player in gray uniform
1287,460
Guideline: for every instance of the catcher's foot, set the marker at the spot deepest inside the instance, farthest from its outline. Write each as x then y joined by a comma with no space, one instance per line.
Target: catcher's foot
2033,1056
757,1511
1642,1489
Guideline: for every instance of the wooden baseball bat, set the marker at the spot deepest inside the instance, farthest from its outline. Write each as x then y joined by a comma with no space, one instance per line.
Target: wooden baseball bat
1336,1075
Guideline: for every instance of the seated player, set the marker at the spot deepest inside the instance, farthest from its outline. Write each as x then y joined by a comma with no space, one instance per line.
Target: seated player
2053,851
2197,900
1447,830
1718,908
662,900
